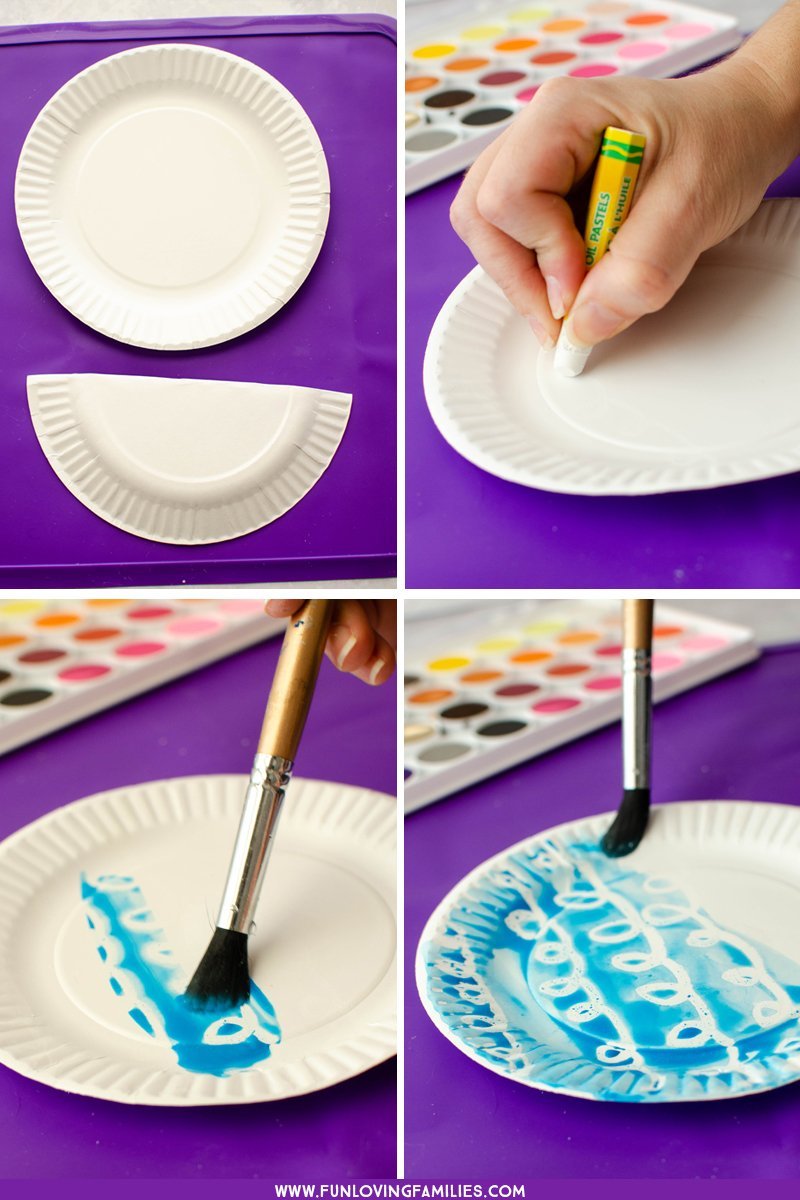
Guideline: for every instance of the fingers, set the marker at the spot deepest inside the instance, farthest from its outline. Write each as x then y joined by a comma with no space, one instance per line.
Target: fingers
511,265
356,646
361,638
648,261
512,211
282,608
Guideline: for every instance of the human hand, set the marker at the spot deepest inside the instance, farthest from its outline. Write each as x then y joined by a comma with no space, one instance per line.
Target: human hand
715,141
362,637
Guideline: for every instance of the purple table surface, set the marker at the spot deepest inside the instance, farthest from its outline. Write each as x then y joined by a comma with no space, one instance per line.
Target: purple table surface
742,536
734,738
338,331
205,723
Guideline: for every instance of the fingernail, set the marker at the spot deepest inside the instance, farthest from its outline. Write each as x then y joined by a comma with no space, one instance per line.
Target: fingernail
377,667
554,297
545,341
341,657
592,323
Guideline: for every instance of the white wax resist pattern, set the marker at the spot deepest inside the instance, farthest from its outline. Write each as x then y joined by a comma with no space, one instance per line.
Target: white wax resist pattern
143,973
574,972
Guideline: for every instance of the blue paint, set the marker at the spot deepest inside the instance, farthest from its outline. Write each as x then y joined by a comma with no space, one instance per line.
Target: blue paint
147,979
570,970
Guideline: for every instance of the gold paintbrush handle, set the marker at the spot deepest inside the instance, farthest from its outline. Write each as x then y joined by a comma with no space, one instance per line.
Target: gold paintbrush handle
295,679
637,624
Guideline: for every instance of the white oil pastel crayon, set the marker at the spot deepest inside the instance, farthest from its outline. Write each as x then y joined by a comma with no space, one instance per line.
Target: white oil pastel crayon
609,204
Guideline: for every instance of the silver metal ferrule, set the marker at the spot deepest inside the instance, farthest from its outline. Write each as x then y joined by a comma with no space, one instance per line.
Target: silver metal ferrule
636,718
262,808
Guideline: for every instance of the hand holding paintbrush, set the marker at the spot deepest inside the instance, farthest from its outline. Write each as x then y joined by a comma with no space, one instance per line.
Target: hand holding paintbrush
222,980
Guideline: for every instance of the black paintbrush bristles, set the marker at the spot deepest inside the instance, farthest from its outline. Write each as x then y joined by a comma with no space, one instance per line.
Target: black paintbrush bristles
222,980
629,824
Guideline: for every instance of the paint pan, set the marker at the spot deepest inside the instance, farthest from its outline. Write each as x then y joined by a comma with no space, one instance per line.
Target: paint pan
512,684
62,660
511,52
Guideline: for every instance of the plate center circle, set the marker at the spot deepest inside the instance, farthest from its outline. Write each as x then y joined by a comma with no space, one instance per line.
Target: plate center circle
710,371
169,197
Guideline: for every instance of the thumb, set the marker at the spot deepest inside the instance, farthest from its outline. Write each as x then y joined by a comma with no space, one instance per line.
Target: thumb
647,262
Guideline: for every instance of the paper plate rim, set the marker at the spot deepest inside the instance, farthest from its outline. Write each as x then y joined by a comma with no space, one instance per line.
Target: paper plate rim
51,402
271,285
313,1072
594,825
776,221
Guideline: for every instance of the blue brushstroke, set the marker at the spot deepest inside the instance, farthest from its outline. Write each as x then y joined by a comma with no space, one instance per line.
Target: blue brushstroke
568,969
145,976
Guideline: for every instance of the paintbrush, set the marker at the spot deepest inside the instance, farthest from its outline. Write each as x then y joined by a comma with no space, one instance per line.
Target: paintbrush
637,705
222,980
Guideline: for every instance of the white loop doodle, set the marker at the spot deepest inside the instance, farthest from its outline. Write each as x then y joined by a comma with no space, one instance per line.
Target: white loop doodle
550,953
115,883
616,1056
611,932
741,976
584,1010
769,1012
702,939
231,1029
665,914
560,987
659,884
524,923
140,920
687,1033
633,961
663,994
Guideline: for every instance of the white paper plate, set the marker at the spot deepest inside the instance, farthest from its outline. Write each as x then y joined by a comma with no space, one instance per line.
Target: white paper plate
672,974
172,196
698,395
323,950
185,461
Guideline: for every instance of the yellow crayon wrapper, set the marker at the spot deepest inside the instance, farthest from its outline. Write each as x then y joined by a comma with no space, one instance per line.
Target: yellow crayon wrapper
612,189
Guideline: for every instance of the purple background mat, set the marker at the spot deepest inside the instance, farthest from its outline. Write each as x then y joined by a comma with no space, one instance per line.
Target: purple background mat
207,722
338,331
734,738
747,535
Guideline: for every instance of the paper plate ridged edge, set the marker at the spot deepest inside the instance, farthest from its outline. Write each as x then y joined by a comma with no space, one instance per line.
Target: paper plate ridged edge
457,378
28,857
683,822
256,90
52,402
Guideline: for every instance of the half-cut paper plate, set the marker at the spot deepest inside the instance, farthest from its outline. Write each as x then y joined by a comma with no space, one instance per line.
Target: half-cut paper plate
172,196
90,987
672,974
698,395
185,461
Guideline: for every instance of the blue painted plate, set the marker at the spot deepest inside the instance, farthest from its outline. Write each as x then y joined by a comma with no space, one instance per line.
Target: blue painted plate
672,974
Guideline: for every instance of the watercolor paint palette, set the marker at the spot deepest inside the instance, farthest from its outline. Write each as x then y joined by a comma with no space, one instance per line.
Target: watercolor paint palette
666,406
494,690
116,919
466,81
61,660
648,979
